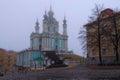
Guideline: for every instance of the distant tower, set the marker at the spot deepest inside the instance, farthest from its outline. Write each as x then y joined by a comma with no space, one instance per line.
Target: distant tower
50,13
37,27
45,22
65,36
64,26
34,38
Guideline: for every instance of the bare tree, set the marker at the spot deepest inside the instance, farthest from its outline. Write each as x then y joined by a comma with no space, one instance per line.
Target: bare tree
97,13
116,37
82,38
113,32
93,38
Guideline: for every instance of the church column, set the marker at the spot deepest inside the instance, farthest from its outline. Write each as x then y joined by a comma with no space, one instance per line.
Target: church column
52,43
47,43
60,44
43,43
66,45
28,58
63,44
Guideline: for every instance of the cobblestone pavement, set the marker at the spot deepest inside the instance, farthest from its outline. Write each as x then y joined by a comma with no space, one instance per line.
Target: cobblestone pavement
79,72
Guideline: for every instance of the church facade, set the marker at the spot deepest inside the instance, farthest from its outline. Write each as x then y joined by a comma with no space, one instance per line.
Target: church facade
49,39
44,45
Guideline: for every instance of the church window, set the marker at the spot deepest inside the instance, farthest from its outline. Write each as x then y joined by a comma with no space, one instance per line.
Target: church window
51,29
52,43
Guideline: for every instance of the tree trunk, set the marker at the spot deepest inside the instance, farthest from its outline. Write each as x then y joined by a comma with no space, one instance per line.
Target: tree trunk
99,43
117,55
116,40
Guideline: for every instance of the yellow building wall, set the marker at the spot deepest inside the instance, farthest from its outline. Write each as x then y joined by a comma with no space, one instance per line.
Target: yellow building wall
91,28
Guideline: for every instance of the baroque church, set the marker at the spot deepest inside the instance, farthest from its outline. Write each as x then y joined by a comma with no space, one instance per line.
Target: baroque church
50,39
44,46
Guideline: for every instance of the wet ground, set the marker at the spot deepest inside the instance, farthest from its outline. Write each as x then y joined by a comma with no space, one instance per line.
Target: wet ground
79,72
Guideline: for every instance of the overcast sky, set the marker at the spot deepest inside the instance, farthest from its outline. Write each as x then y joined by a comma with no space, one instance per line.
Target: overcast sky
18,17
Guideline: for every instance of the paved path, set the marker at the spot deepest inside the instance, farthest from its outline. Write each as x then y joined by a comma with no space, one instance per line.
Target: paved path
70,73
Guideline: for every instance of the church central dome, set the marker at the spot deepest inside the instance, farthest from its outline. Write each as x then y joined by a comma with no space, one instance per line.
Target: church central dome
50,13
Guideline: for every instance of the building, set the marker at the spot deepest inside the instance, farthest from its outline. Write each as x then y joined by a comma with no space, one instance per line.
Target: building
44,44
50,39
108,25
29,59
7,60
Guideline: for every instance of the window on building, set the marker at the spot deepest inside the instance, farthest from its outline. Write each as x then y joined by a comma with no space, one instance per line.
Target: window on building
114,50
92,37
103,51
102,25
93,59
114,36
113,25
103,40
93,51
